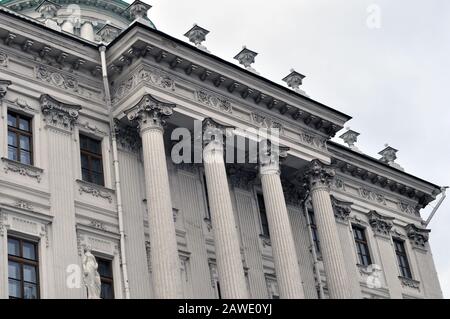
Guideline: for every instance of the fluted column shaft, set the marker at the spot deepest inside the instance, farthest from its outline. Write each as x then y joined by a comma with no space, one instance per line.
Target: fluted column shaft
333,258
163,243
228,252
282,240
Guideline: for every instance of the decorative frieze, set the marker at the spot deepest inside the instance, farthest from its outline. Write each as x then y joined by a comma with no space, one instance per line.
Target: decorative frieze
97,225
4,59
147,75
95,190
372,196
59,114
418,236
313,140
213,100
22,169
92,128
408,209
341,209
23,205
22,104
380,224
56,78
409,283
265,122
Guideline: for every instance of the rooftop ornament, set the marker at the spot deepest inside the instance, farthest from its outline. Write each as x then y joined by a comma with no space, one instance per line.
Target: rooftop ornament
247,57
197,35
389,155
294,81
108,33
48,11
138,10
350,138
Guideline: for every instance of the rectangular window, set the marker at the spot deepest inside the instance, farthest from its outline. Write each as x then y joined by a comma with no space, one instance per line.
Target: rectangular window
315,232
20,138
106,278
263,215
23,269
91,160
205,186
362,247
402,258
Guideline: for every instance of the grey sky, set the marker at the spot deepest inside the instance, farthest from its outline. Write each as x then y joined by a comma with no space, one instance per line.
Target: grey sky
394,80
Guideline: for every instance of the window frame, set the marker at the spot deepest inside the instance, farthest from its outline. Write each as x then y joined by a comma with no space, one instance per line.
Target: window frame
364,242
90,157
27,262
263,220
106,279
18,133
405,270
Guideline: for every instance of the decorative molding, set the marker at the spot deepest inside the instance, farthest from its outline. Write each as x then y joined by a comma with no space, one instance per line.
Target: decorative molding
266,122
56,78
22,169
418,236
92,128
4,84
3,223
4,60
97,225
145,74
59,114
95,190
22,104
372,196
380,224
341,209
23,205
314,141
409,283
214,101
408,209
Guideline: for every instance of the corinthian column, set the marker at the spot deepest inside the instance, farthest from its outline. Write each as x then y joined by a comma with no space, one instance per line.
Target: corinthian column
228,252
319,176
150,115
284,253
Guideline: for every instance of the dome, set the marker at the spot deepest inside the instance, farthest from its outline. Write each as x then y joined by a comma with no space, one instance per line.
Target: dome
85,18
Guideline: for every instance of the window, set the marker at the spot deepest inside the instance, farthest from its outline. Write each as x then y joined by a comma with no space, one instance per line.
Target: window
315,232
106,278
362,247
205,186
263,215
91,160
20,138
23,269
402,258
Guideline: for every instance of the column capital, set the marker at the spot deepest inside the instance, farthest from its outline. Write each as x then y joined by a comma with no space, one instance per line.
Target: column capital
59,114
4,84
150,113
380,224
270,157
214,133
341,209
319,174
417,235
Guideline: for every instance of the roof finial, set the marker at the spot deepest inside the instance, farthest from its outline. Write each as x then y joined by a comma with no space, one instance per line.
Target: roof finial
389,155
247,57
350,137
197,35
294,80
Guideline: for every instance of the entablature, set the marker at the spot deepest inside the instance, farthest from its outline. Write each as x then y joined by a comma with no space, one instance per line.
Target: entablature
194,65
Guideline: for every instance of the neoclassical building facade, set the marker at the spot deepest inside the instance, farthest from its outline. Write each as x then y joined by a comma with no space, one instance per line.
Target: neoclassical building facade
92,96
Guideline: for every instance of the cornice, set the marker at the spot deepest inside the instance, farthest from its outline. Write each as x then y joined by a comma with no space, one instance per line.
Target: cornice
180,56
378,175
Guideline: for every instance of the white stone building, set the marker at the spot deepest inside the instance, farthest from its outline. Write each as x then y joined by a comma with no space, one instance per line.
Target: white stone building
90,93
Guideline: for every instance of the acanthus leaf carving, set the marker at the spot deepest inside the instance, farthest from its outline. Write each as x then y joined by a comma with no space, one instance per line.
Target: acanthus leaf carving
59,114
213,100
418,236
95,190
380,224
22,169
341,209
56,78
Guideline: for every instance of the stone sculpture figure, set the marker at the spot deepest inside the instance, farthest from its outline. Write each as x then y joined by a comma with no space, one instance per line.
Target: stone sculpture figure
91,275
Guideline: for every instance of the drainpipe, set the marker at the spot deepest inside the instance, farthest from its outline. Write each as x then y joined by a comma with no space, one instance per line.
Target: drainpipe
443,190
116,172
313,248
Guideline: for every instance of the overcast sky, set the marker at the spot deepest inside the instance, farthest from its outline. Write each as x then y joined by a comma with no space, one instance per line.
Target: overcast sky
393,80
